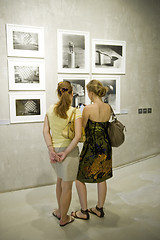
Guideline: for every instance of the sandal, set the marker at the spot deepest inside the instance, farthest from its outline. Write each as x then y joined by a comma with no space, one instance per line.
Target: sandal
98,209
55,215
71,219
85,212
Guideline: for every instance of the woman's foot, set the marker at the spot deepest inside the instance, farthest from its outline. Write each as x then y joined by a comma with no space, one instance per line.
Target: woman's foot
69,219
81,214
56,214
97,211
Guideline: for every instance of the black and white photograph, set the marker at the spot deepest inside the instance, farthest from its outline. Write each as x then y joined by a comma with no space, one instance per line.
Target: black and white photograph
26,74
112,96
73,51
25,41
27,107
108,56
80,97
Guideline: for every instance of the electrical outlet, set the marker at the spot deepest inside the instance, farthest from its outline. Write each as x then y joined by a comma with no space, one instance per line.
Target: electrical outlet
149,110
140,111
144,110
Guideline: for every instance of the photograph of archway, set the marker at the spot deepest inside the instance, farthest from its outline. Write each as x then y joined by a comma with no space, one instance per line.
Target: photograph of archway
108,56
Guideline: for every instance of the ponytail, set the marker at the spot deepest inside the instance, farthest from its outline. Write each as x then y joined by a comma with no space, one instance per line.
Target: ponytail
64,92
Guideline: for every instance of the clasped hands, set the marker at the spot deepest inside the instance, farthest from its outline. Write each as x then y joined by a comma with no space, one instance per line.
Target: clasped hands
56,157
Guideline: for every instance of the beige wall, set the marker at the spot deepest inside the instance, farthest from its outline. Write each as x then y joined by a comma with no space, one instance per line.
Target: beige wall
23,155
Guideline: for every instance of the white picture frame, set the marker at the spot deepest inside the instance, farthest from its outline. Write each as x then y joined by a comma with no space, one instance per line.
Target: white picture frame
25,41
26,74
79,82
27,107
108,56
73,51
113,95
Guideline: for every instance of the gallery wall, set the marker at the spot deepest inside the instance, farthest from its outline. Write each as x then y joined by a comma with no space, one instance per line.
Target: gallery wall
23,153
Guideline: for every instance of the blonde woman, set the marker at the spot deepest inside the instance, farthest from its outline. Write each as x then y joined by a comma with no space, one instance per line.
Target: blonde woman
64,154
96,156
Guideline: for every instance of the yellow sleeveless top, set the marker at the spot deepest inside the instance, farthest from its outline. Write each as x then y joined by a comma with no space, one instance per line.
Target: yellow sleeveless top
57,125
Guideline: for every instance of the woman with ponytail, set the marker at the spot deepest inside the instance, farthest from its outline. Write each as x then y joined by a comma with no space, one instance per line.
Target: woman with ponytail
64,154
96,157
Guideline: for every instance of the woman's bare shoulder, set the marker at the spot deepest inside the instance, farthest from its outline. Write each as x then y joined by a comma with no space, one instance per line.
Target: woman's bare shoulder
87,107
90,106
106,105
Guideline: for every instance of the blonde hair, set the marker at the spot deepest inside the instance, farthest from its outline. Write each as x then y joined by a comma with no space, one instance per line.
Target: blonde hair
97,87
64,91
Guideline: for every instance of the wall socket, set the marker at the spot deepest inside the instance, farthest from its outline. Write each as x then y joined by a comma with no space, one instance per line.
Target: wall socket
144,110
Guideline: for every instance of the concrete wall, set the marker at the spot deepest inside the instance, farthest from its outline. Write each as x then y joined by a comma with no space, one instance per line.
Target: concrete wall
23,154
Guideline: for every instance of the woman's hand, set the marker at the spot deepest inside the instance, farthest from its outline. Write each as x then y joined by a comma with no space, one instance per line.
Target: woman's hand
48,139
53,157
62,156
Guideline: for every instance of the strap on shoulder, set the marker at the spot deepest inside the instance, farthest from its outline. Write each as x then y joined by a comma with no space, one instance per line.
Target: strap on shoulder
73,113
112,113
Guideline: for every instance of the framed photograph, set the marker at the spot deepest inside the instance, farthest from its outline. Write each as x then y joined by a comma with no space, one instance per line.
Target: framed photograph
26,74
73,51
108,57
113,95
80,96
27,107
25,41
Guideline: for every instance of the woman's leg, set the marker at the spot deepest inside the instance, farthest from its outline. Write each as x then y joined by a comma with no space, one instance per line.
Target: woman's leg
102,192
65,200
82,193
58,195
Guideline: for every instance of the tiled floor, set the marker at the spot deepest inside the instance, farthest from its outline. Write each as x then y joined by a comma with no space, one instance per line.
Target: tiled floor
132,209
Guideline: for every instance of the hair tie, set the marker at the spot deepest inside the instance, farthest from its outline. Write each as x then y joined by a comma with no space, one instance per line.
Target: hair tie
64,90
60,83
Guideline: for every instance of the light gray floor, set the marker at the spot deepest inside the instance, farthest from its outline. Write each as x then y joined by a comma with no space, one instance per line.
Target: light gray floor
132,209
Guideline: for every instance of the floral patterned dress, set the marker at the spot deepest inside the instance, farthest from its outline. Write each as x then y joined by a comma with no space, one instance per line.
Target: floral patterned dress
96,157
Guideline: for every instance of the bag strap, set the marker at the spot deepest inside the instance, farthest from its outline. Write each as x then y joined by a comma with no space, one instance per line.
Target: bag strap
73,113
112,113
114,116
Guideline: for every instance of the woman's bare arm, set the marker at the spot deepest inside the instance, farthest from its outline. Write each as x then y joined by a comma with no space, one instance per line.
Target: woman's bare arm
74,142
48,139
85,116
